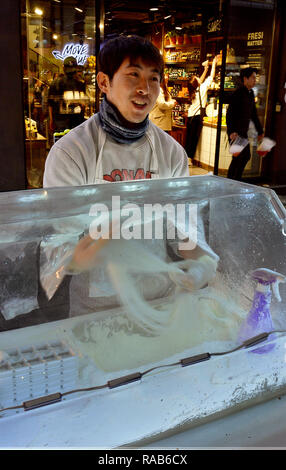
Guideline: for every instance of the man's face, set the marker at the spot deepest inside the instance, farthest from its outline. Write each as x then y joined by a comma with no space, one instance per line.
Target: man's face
133,89
250,82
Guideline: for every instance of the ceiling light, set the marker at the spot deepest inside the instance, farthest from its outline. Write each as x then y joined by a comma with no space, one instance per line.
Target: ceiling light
154,9
55,36
166,17
38,11
178,27
78,9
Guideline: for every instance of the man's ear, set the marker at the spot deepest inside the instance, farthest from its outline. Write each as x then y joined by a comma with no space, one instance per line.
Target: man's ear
103,82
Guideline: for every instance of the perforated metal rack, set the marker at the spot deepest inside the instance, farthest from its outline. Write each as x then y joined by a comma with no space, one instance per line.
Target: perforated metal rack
35,371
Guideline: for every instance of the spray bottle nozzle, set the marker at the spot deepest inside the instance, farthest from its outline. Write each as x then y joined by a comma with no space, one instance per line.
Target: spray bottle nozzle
267,277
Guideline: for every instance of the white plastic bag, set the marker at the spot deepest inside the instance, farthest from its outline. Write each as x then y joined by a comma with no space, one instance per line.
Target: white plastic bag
265,146
18,278
55,254
238,145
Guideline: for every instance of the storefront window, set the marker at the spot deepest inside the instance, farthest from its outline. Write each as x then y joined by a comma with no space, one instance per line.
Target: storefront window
249,43
55,30
206,152
193,51
58,38
189,53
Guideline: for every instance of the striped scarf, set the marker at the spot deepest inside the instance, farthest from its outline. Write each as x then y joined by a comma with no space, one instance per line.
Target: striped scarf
117,127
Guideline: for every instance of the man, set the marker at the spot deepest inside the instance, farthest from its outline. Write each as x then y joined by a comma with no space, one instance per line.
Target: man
240,113
119,142
66,99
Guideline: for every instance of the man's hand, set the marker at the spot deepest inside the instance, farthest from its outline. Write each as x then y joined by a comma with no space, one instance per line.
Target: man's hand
195,273
85,254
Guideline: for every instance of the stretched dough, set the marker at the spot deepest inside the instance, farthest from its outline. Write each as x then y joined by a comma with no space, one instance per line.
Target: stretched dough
145,333
114,344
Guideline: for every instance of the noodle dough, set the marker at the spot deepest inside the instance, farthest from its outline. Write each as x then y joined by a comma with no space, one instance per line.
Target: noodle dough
114,344
145,333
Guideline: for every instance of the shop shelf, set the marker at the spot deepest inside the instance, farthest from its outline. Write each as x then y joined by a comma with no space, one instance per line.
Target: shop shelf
182,46
195,62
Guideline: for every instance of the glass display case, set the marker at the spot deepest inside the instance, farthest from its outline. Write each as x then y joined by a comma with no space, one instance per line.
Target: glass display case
52,32
127,350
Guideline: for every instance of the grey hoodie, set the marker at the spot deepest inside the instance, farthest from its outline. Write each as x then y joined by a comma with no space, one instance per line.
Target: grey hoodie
85,156
78,158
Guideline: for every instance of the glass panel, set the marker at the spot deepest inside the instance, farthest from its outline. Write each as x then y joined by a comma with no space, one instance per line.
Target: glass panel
212,48
210,121
186,48
182,56
102,331
250,31
56,97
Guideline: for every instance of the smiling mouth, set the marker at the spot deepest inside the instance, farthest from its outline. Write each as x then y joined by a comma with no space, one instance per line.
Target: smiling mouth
139,104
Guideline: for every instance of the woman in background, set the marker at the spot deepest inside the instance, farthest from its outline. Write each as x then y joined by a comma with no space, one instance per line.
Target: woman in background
161,114
198,89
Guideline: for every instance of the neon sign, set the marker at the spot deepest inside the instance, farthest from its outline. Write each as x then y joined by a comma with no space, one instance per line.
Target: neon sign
80,52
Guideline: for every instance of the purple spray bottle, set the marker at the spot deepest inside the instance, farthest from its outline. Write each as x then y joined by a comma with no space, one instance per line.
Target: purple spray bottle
259,318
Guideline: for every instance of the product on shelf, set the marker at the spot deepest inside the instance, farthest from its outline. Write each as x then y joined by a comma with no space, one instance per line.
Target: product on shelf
170,38
189,35
31,128
212,117
91,61
182,56
177,73
228,82
178,114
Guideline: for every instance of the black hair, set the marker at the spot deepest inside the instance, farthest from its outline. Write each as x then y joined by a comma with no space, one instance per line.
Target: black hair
193,84
116,50
247,72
